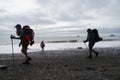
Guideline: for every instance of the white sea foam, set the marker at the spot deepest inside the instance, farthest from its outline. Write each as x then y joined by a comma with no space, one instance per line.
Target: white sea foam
5,49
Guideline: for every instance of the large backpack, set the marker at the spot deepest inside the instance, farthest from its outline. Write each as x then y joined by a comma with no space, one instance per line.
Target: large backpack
30,33
96,35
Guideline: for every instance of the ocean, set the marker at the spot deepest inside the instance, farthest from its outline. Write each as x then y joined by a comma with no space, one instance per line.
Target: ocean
58,43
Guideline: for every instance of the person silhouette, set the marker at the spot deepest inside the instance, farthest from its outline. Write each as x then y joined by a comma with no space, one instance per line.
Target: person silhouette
24,41
42,44
92,40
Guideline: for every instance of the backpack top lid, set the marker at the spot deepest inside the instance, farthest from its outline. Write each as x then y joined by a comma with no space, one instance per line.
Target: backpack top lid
96,35
28,31
88,30
26,27
18,26
95,30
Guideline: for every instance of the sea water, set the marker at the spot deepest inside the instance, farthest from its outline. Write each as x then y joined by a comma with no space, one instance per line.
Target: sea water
57,43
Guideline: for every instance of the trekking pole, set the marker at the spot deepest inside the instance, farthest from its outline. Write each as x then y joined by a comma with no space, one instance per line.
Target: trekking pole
86,45
12,51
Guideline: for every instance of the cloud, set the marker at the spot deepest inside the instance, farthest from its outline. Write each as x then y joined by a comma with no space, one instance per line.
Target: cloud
92,12
60,15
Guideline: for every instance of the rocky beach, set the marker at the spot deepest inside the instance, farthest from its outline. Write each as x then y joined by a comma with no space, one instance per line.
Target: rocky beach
68,64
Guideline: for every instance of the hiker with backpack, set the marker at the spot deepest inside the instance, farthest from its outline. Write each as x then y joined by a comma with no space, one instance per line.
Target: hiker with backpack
26,36
92,38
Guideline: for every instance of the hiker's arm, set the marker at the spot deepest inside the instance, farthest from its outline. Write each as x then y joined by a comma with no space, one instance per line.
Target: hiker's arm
13,37
17,38
86,39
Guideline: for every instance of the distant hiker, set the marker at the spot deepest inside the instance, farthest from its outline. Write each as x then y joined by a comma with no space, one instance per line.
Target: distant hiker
26,35
42,44
92,38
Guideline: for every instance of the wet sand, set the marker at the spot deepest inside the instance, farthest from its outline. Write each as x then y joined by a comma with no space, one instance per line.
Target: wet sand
71,64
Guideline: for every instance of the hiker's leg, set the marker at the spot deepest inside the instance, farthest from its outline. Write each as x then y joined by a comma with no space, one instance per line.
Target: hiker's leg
91,44
90,50
43,49
90,53
95,51
24,51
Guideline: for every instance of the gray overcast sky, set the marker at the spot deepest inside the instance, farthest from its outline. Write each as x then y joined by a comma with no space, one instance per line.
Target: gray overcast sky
60,16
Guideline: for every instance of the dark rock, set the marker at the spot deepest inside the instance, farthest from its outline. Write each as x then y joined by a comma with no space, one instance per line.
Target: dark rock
3,67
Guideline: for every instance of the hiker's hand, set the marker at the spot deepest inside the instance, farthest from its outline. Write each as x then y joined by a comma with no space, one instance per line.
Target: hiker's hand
85,41
12,37
31,43
19,44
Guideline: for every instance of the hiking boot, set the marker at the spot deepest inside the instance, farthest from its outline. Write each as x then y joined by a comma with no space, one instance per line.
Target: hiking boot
26,62
89,57
30,58
31,43
97,54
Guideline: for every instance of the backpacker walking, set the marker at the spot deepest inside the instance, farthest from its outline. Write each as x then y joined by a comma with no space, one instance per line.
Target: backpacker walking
24,36
42,44
92,38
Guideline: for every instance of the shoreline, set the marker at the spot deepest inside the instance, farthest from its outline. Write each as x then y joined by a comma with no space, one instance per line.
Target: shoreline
6,49
62,49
